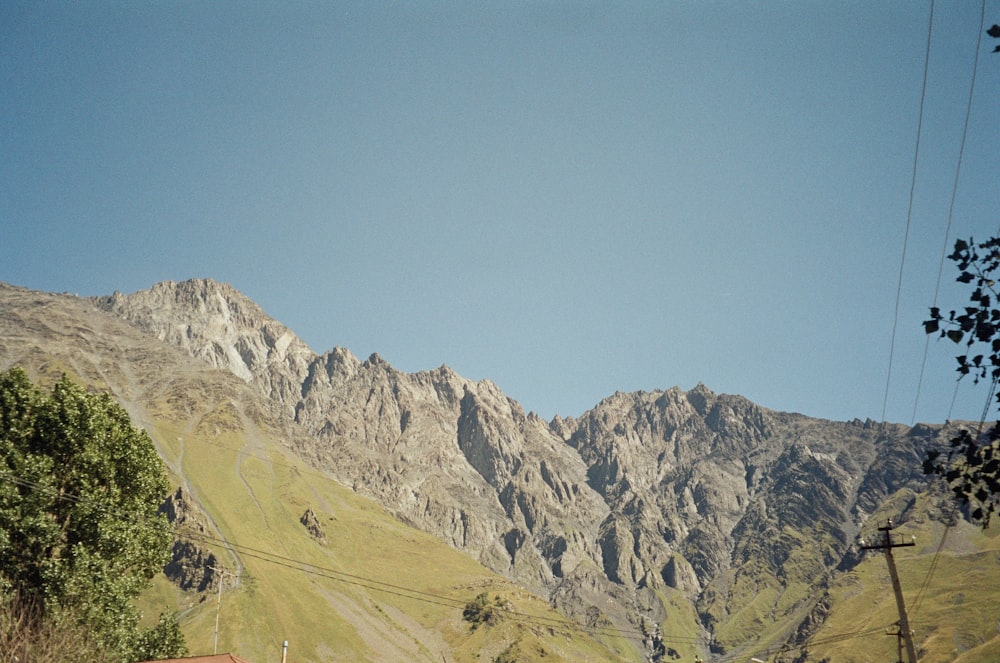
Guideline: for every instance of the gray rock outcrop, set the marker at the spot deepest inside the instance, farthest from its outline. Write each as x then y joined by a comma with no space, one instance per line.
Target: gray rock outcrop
192,567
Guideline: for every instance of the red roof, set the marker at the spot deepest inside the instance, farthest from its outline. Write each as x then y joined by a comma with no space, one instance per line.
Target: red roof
217,658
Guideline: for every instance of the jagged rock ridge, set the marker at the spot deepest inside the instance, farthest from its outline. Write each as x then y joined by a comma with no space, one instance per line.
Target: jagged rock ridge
705,495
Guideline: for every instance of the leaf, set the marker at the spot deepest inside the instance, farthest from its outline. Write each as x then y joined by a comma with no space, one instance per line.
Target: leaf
955,335
930,326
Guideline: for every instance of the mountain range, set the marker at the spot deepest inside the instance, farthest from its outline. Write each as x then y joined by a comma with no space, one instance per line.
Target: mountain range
362,508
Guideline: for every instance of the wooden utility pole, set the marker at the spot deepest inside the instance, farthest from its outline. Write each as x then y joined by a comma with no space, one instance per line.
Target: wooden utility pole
898,634
218,607
886,545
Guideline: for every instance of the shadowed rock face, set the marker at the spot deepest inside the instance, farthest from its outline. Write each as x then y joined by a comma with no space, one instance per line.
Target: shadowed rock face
706,496
191,567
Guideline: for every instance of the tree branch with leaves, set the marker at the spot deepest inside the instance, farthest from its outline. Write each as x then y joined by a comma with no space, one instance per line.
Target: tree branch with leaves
971,465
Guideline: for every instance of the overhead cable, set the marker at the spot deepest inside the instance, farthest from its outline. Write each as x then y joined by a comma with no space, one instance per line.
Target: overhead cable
951,208
909,212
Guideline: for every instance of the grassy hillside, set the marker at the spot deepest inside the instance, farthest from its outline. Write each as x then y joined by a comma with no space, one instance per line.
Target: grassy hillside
951,586
372,589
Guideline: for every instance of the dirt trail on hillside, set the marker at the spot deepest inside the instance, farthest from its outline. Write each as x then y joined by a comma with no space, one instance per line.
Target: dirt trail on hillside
253,448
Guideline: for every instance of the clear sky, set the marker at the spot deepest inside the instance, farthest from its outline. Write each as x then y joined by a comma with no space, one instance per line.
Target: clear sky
567,198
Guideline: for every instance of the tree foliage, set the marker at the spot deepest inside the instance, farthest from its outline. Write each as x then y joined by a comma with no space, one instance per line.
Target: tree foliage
971,465
481,611
79,530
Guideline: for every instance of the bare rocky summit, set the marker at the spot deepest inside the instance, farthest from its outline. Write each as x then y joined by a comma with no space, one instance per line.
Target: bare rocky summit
215,323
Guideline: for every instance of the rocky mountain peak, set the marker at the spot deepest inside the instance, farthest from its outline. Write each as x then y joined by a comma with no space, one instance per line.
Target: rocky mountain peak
216,323
701,398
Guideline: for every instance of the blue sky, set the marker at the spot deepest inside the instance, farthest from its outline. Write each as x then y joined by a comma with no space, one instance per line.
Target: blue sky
567,198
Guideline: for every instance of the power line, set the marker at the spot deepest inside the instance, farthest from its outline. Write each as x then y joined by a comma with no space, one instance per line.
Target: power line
415,594
951,204
918,602
909,212
785,649
287,561
314,569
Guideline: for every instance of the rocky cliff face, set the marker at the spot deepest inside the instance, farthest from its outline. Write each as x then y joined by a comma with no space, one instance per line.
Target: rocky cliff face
191,567
667,493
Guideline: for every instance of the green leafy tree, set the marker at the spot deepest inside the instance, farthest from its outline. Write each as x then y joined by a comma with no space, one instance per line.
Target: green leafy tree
972,464
79,530
163,641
